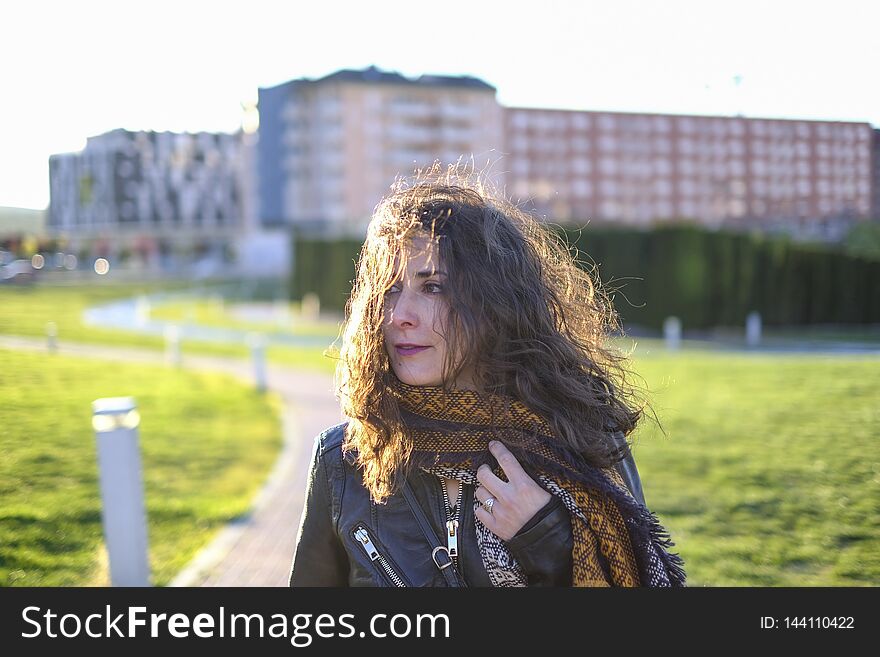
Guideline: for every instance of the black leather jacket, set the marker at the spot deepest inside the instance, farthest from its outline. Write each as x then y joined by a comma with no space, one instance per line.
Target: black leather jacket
345,539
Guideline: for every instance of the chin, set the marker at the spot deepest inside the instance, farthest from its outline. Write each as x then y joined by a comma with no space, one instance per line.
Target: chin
416,380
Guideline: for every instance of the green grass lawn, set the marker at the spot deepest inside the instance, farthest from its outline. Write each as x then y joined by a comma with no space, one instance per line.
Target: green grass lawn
769,472
207,444
206,312
25,311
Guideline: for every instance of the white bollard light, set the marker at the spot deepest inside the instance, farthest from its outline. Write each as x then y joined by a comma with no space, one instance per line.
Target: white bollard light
310,307
281,312
115,421
172,345
52,337
142,310
672,333
257,344
753,329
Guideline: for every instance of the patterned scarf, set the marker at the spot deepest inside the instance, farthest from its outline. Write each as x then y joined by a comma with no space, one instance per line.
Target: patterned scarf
617,541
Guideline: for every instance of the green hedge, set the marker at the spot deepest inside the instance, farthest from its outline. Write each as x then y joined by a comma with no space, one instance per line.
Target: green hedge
706,278
324,267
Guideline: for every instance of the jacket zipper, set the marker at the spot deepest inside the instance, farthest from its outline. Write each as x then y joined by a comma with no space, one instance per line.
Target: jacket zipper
363,537
452,515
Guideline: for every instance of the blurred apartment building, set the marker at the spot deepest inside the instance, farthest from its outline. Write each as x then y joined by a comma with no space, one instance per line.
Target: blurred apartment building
875,172
803,177
330,148
159,199
327,150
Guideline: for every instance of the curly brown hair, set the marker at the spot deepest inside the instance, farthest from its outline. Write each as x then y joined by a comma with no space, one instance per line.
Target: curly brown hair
528,320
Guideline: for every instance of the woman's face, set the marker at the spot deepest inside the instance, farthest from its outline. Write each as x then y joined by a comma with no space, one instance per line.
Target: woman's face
415,315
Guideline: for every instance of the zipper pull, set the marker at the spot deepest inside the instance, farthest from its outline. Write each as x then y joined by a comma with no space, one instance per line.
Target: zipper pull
364,537
452,537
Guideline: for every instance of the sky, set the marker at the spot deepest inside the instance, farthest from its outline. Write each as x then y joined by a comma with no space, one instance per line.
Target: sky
70,70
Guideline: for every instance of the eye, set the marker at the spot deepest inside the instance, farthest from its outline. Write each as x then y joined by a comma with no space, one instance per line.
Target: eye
436,286
392,290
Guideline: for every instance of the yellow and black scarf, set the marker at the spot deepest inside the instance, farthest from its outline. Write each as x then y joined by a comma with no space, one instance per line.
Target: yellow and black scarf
617,541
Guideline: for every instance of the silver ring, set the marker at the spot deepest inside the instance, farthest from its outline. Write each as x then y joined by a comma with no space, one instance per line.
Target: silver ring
489,503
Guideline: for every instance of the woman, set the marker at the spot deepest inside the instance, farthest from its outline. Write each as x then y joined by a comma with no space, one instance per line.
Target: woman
485,440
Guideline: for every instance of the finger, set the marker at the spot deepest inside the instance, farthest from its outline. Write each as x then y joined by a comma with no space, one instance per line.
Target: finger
487,478
507,461
482,494
486,518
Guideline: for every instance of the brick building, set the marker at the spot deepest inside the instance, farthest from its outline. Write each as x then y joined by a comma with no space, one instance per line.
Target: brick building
644,168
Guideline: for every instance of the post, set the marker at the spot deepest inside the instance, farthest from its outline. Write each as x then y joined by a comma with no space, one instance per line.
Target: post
672,333
115,421
142,310
258,355
172,345
52,337
281,312
310,307
753,329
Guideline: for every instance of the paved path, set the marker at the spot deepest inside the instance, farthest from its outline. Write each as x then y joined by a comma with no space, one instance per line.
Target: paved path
257,550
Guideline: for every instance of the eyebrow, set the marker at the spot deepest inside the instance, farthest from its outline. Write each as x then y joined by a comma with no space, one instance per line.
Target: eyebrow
430,272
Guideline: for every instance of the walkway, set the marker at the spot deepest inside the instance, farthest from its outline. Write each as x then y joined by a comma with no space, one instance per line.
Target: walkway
257,550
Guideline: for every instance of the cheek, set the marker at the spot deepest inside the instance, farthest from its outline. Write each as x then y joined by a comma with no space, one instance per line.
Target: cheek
438,314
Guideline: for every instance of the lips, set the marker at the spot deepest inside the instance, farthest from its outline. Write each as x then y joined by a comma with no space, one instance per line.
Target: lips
409,349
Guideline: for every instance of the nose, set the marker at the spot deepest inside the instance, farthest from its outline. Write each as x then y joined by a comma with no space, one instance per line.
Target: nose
405,310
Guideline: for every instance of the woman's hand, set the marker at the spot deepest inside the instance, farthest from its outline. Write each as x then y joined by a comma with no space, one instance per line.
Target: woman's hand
516,500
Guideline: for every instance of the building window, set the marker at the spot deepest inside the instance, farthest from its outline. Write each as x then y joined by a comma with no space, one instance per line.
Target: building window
661,124
582,188
608,188
663,210
607,143
662,145
687,187
606,122
663,187
608,166
610,209
580,165
520,143
519,120
580,121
